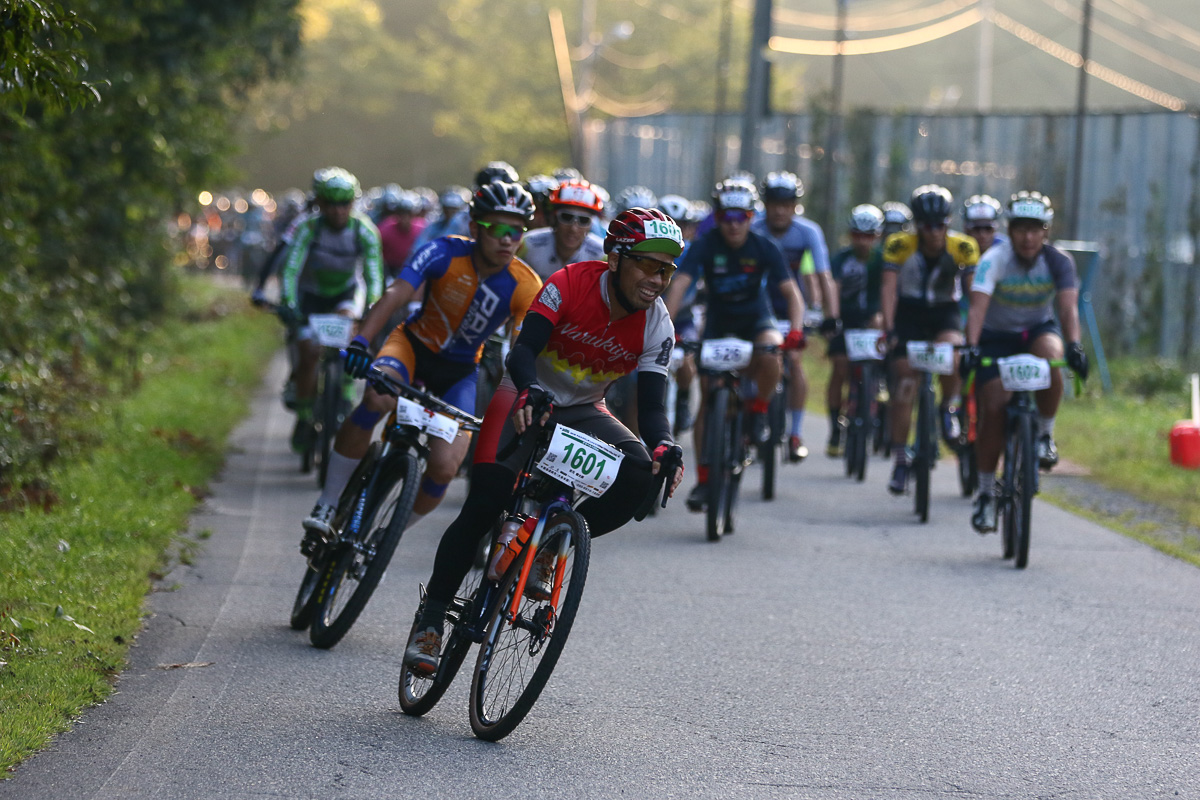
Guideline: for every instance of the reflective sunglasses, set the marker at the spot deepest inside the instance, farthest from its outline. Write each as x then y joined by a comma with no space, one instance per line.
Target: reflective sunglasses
933,226
580,220
736,215
652,266
498,230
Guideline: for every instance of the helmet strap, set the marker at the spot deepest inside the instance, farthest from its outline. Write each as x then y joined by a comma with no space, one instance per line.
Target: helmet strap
614,283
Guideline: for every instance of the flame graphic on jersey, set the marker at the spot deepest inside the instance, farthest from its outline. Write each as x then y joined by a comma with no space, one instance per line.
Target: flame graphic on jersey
580,374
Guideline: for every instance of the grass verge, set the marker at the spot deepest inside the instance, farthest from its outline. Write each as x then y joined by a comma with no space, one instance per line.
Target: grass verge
73,578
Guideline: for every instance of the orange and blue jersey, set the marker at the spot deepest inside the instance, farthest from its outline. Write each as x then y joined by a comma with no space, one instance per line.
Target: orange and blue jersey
460,312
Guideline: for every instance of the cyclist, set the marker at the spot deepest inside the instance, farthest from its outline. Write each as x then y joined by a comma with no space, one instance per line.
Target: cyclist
687,323
1011,312
399,227
981,219
455,218
897,218
804,250
574,205
333,255
593,322
736,263
539,188
857,272
923,278
474,286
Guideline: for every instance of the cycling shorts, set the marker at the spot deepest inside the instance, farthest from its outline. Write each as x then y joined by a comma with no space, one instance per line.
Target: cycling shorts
746,327
452,381
345,303
921,323
1001,344
594,419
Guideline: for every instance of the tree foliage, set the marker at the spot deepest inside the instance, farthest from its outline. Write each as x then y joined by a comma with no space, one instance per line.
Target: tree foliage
39,59
87,189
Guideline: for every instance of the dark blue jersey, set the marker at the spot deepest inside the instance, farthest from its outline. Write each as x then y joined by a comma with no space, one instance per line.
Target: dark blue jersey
736,279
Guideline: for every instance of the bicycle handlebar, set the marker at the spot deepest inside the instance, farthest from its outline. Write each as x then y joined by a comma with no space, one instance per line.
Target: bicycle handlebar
386,384
666,469
1077,382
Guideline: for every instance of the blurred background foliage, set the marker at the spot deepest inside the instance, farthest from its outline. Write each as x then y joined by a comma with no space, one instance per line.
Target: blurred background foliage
91,179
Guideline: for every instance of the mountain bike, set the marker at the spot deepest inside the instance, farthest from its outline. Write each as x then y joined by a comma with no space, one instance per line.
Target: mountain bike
373,512
521,637
863,349
968,466
330,404
726,445
1022,375
928,358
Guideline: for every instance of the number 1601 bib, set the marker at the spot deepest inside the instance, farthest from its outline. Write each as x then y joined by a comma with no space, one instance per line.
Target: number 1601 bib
581,461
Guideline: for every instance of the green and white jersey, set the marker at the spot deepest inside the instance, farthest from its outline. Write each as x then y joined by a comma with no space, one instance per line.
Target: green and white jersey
328,263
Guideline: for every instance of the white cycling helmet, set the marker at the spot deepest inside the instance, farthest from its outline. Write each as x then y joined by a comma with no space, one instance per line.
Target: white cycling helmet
1030,205
866,218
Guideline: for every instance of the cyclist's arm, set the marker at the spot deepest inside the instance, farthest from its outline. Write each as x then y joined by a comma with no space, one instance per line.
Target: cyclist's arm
795,303
1067,301
675,293
395,298
522,359
652,409
976,314
293,265
887,298
372,248
833,305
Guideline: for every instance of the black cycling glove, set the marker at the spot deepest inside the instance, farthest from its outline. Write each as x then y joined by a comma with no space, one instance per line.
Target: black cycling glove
358,358
1077,359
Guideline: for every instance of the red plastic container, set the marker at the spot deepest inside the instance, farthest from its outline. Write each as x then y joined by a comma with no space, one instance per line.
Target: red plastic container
1185,444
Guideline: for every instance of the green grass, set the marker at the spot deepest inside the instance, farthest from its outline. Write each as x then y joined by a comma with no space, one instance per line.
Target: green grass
73,579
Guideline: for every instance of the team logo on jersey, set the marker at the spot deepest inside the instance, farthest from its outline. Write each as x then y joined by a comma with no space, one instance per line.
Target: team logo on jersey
896,245
664,355
719,263
965,249
550,297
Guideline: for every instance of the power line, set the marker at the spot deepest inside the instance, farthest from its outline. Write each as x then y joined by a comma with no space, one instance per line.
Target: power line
904,18
878,44
1180,68
1160,26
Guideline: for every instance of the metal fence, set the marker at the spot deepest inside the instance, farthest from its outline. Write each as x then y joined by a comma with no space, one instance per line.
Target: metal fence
1139,199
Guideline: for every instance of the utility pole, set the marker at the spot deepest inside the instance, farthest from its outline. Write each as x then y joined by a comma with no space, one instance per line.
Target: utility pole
987,33
756,86
834,140
566,83
588,42
721,106
1080,115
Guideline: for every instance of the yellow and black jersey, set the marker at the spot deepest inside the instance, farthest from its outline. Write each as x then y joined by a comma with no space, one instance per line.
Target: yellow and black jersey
931,281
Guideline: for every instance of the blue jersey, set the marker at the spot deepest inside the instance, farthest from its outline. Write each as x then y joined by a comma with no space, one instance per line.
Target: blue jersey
735,279
804,251
456,225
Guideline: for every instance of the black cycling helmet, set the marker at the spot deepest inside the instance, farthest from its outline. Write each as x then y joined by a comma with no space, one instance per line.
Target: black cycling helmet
500,197
931,204
782,186
496,171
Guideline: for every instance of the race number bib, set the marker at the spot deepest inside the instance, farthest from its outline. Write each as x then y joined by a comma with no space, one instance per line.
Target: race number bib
1024,373
935,357
726,354
863,344
331,330
663,229
416,415
581,461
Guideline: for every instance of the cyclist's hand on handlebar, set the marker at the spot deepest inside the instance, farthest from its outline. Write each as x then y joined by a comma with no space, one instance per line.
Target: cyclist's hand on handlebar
794,340
969,360
669,456
258,299
289,315
1077,359
358,357
532,403
830,326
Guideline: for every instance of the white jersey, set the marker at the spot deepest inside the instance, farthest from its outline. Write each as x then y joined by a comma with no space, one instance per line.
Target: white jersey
537,250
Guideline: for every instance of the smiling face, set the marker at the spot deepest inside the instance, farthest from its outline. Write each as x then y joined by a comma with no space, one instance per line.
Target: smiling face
641,278
571,226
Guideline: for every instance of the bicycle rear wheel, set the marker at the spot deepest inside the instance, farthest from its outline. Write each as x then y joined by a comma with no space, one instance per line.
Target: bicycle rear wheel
1025,476
356,569
861,424
717,432
517,656
768,451
419,693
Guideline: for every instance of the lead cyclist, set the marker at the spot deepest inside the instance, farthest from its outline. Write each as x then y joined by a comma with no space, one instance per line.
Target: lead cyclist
592,323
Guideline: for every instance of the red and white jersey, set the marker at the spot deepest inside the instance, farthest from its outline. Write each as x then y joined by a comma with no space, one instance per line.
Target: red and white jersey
587,350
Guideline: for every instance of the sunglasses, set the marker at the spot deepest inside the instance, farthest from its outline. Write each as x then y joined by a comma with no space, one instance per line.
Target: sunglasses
580,220
736,216
652,266
499,230
974,228
933,226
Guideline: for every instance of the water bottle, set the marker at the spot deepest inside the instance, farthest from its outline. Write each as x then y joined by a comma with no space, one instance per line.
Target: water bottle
514,534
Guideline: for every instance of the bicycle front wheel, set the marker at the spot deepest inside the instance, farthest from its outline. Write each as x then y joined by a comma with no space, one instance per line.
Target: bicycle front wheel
518,655
1025,477
717,432
419,693
355,571
304,606
326,416
923,459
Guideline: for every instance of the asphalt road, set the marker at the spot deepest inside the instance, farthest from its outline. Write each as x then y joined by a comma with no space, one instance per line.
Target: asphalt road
832,648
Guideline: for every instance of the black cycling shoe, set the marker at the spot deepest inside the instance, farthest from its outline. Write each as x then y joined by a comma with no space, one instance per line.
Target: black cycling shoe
983,514
697,498
1047,452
